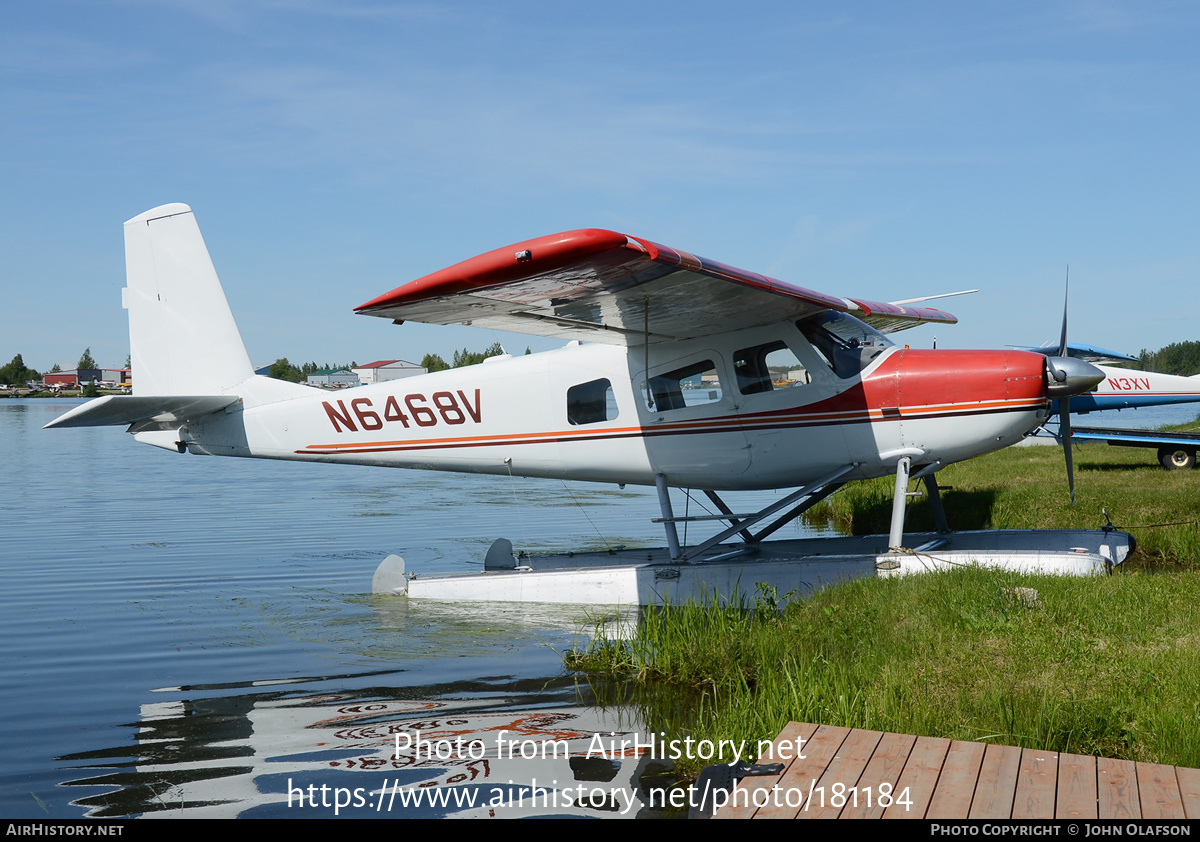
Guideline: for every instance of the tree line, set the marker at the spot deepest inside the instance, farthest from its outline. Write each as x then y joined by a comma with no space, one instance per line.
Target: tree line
284,370
281,369
1177,358
16,372
434,362
1181,358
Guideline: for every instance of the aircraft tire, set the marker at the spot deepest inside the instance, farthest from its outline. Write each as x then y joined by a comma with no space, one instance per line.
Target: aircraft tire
1176,458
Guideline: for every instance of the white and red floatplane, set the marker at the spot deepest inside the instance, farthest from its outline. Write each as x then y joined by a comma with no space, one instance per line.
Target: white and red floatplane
678,372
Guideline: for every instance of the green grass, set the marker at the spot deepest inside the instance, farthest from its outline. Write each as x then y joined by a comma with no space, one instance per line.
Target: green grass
1107,666
1026,488
1192,426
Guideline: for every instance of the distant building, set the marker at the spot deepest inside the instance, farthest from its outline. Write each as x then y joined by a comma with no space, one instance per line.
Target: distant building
60,378
381,371
73,377
333,378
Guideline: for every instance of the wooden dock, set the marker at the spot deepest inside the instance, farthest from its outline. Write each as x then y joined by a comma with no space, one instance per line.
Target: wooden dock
845,771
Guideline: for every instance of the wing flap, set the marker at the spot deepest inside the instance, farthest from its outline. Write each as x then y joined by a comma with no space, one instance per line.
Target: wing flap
605,286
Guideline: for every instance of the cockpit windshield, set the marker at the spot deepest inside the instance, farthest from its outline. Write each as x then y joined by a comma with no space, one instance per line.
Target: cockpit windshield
846,344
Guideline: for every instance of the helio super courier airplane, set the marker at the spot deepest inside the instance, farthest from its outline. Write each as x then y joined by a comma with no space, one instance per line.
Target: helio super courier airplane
678,372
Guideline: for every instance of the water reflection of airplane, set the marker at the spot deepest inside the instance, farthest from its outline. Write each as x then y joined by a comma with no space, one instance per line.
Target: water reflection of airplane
617,410
249,755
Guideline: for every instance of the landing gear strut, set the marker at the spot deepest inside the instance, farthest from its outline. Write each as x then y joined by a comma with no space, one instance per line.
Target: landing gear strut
900,501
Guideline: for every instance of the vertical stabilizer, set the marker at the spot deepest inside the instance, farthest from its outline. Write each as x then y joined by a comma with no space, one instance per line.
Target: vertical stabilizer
182,336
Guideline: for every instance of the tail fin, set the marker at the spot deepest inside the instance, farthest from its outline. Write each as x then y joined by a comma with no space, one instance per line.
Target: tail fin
188,358
182,336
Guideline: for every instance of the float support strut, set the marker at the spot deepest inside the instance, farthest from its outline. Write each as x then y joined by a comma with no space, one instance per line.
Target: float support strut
741,523
935,503
899,502
664,503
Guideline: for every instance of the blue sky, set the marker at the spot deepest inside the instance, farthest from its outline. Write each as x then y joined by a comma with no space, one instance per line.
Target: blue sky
332,152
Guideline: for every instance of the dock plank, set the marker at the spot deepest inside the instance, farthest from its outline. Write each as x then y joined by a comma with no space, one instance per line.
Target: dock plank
956,785
956,780
1189,790
819,751
791,733
846,768
1037,785
1116,789
997,784
919,778
885,766
1159,792
1076,787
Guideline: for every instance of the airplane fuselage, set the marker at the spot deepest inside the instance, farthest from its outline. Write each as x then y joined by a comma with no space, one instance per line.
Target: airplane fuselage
1125,389
714,414
703,376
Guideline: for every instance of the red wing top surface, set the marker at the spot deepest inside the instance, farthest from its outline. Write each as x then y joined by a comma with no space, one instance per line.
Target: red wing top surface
602,286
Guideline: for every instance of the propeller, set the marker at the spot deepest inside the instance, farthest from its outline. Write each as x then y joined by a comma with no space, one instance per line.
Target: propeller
1067,376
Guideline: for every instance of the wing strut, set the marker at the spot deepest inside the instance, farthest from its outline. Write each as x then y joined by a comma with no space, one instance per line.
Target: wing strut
646,350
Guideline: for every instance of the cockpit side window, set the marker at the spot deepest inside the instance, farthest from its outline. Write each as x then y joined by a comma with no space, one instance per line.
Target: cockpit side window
765,368
690,385
591,402
845,344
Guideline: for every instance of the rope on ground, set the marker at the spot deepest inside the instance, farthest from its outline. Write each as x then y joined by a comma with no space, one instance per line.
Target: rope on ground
922,556
1154,525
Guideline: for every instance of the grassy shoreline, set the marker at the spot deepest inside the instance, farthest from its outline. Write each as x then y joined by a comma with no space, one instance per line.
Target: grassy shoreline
1026,488
1107,666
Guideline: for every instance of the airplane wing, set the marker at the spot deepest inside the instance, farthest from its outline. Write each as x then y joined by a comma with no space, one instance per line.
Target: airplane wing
1087,353
603,286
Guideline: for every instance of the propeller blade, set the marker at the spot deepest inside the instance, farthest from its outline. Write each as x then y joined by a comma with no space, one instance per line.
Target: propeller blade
1062,341
1066,377
1064,431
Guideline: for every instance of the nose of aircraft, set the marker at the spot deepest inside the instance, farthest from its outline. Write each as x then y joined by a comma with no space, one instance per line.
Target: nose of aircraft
1067,376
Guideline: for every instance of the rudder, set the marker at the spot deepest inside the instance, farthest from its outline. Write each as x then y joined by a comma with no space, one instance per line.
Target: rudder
182,336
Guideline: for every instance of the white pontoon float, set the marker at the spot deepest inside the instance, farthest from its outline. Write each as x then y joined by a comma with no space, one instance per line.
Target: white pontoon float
713,568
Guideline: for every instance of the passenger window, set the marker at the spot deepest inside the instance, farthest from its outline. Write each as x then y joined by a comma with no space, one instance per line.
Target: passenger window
765,368
591,402
691,385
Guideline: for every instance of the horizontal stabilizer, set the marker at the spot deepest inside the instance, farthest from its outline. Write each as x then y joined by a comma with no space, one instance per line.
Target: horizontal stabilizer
130,409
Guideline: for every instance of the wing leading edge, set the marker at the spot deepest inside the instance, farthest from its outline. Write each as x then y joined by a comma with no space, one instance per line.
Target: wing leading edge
603,286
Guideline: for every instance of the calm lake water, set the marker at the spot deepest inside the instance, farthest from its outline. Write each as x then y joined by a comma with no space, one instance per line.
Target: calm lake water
192,635
196,634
